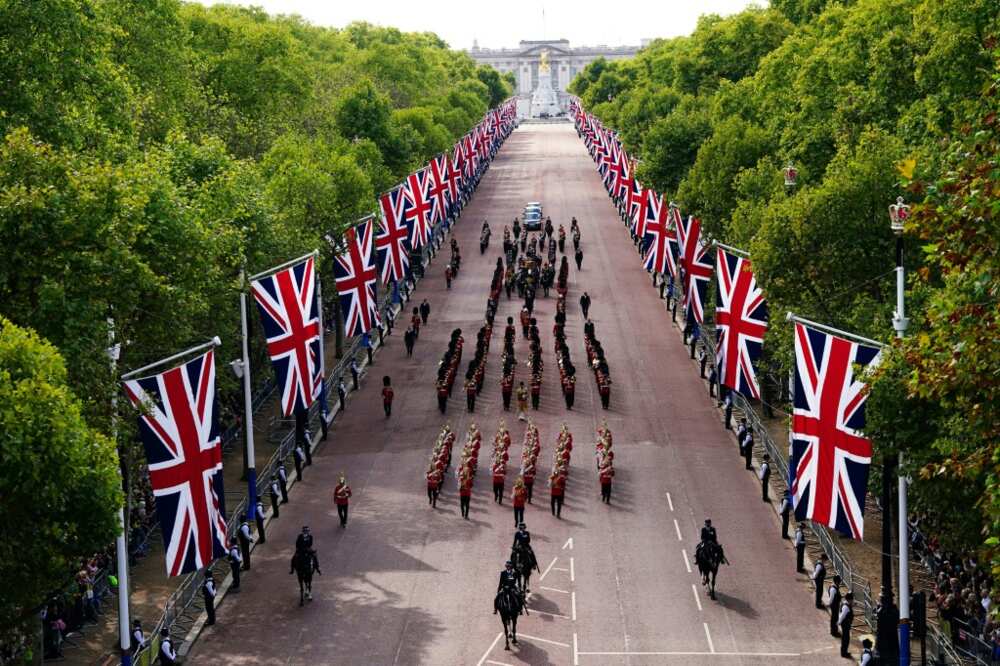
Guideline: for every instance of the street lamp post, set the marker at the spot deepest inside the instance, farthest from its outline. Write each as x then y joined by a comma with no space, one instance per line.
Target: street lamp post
898,213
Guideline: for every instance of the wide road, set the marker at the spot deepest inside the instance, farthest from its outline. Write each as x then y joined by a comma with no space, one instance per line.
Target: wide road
407,584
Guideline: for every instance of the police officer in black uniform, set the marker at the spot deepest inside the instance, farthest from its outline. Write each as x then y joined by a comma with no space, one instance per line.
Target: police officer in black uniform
168,656
208,592
243,535
305,540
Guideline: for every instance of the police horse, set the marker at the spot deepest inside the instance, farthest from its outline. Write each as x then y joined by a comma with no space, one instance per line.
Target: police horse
304,563
708,555
509,603
523,557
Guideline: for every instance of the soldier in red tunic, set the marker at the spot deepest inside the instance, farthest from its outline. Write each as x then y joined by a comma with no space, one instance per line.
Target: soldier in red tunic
387,395
465,492
606,473
557,485
499,469
433,484
341,497
519,496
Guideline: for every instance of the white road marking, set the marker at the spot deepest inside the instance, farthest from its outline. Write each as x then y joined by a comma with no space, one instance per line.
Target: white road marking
542,577
678,528
490,649
708,635
572,571
543,640
697,599
538,612
552,589
560,569
576,651
690,654
497,663
687,562
573,601
670,502
568,544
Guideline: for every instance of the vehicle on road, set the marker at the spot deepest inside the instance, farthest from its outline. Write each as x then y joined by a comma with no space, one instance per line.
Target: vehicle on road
532,221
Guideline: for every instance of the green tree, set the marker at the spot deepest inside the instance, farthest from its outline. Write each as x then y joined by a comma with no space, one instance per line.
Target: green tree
498,86
60,484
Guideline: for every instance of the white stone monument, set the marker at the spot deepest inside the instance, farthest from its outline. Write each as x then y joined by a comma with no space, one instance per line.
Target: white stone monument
544,100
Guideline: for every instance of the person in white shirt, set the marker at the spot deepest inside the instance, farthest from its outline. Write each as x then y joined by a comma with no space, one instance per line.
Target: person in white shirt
168,657
138,638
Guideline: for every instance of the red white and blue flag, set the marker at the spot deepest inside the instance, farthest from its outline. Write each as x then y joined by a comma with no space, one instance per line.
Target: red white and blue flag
454,174
697,268
417,208
830,454
437,170
659,256
740,323
393,240
179,430
288,311
355,273
643,204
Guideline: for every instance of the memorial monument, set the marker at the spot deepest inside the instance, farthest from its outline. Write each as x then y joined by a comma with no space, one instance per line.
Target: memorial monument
544,101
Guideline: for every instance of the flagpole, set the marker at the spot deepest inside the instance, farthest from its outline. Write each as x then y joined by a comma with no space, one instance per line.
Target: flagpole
247,403
322,353
121,545
214,342
730,248
830,329
291,262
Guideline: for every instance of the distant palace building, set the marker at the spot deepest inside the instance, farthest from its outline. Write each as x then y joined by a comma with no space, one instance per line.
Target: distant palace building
564,62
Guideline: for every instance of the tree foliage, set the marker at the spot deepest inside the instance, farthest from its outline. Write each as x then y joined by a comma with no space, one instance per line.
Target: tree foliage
60,487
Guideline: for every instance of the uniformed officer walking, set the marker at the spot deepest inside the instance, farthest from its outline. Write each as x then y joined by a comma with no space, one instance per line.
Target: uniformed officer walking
208,592
243,535
818,577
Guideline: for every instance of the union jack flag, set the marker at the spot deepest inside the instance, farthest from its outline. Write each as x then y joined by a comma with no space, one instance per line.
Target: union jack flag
417,209
287,304
697,269
740,323
179,430
830,455
623,177
438,192
659,255
454,174
642,206
393,240
355,273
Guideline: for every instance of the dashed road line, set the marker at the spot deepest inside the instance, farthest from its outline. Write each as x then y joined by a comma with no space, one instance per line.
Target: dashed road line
687,563
708,635
576,651
573,602
572,571
688,654
670,502
542,577
552,589
697,599
490,649
497,663
678,528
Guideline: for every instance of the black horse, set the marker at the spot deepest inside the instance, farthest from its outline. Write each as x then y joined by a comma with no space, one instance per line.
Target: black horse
304,563
708,556
523,557
509,603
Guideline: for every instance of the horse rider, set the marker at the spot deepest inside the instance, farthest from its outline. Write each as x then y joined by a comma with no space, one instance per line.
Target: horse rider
708,532
508,581
522,537
304,541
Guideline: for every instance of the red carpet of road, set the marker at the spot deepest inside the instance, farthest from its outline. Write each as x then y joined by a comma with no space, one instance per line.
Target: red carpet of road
407,584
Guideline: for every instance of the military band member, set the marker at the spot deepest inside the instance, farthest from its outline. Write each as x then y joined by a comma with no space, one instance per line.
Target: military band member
557,487
342,497
519,496
465,492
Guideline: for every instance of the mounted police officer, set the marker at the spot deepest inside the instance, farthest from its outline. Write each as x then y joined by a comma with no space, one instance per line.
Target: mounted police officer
708,532
508,581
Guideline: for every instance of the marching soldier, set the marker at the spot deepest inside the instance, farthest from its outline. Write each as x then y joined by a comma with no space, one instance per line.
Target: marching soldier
470,391
518,497
499,470
606,473
341,497
557,486
415,323
536,390
528,475
522,402
442,393
387,395
434,477
465,492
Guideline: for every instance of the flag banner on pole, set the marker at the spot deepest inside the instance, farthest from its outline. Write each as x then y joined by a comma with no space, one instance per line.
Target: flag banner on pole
179,431
417,208
697,268
830,454
356,276
740,323
286,301
454,174
438,192
393,240
659,257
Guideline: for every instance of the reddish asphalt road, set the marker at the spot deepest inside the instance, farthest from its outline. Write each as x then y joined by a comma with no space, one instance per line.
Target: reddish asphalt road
406,584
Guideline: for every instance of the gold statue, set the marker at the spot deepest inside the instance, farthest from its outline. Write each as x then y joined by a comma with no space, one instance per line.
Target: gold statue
543,62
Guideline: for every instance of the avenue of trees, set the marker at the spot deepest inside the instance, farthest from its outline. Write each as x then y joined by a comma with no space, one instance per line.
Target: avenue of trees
870,100
148,151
